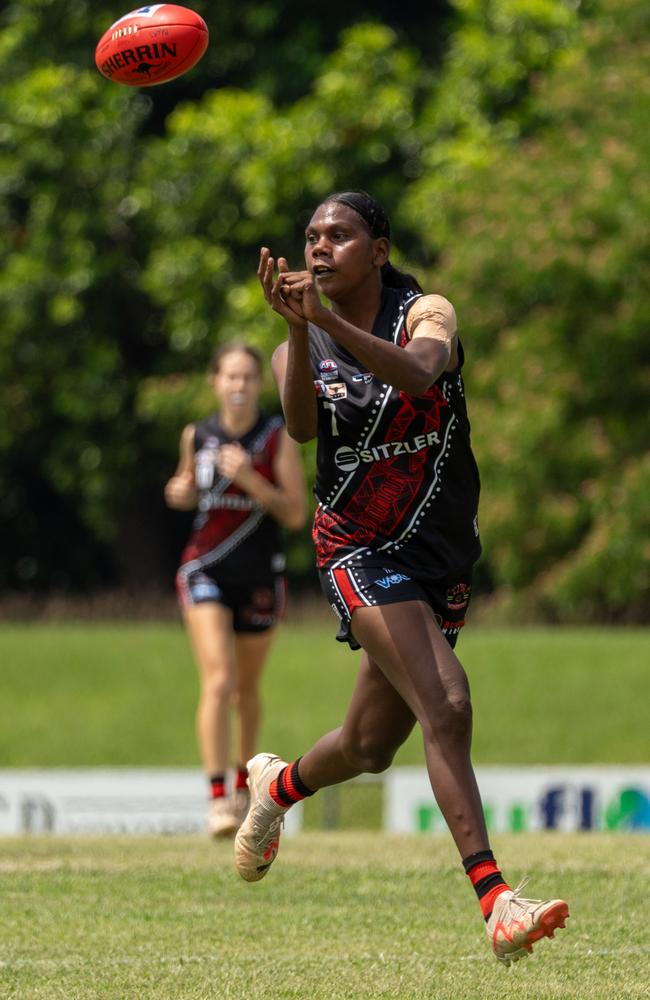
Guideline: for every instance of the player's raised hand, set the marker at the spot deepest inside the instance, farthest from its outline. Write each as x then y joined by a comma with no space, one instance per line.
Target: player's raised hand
300,290
271,286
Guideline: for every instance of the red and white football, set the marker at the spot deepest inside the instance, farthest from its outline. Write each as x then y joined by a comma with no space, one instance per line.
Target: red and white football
151,45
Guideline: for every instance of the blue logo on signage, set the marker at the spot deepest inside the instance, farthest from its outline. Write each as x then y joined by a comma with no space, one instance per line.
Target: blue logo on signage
629,810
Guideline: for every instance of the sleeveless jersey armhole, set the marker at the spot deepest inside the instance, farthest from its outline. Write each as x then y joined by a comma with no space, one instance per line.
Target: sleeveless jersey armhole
406,337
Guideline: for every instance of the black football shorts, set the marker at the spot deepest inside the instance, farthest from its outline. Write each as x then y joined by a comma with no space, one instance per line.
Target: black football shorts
256,605
378,582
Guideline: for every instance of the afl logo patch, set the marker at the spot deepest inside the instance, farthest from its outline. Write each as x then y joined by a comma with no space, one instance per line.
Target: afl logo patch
328,369
346,459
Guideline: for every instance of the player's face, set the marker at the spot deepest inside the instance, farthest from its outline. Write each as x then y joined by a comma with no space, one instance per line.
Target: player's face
238,382
339,250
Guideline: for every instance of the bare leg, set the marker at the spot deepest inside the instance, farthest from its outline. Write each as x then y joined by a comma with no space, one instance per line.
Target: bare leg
251,651
376,724
405,641
209,627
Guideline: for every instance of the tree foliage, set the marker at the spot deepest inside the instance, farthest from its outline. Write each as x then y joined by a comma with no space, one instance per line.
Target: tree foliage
548,261
502,138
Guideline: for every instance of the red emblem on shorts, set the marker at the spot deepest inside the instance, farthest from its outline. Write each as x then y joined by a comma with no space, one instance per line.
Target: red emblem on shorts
458,596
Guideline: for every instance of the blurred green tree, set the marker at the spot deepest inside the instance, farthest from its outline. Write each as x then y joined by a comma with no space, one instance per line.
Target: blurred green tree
547,259
68,363
503,139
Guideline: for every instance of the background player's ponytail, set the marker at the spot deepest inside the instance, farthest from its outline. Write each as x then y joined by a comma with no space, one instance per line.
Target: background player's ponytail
378,226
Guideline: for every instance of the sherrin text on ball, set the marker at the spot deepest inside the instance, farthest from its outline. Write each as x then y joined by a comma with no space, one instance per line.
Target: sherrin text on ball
151,45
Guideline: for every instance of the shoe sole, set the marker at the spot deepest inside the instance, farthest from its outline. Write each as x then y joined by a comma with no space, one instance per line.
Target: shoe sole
554,919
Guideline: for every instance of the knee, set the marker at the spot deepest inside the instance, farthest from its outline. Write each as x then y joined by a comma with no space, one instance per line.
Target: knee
219,688
453,715
367,754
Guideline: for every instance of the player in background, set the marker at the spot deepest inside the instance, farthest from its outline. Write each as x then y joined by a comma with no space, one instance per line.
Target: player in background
396,535
242,472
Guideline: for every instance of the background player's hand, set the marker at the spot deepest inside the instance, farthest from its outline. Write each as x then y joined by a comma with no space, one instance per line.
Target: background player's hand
291,311
180,492
234,463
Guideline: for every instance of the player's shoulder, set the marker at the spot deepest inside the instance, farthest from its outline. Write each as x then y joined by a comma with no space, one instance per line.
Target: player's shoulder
435,308
207,428
432,301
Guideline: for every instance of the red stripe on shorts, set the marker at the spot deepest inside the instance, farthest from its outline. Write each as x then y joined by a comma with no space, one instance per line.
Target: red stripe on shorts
348,592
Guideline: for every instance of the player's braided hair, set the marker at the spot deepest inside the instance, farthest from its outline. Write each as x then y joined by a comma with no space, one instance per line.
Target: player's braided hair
378,225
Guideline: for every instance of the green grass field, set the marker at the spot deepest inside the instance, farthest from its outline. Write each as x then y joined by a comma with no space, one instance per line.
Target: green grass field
343,915
340,916
125,694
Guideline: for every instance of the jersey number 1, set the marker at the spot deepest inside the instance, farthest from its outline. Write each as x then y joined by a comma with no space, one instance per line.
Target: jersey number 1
332,408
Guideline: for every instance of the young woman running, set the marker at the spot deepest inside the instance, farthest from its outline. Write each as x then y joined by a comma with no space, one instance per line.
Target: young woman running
396,535
244,474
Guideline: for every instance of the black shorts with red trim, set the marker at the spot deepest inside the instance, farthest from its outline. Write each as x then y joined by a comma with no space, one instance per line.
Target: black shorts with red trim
256,605
378,582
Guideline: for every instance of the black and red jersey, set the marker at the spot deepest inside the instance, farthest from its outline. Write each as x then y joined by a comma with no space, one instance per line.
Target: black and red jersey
230,529
395,473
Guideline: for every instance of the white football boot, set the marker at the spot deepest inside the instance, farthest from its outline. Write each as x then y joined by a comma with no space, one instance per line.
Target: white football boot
258,838
515,923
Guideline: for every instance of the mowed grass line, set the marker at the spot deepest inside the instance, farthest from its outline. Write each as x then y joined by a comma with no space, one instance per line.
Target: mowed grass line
113,694
341,916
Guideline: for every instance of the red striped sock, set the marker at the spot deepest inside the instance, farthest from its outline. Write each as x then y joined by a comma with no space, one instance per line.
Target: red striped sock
217,786
486,878
241,777
288,787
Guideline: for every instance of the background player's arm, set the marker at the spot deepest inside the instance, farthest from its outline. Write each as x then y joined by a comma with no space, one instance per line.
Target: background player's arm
283,499
180,490
292,370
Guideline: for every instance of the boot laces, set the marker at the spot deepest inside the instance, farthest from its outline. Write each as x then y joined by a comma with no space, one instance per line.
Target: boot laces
266,831
517,900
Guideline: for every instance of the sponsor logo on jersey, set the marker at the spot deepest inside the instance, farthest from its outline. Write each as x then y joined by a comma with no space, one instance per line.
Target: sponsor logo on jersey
319,386
336,390
329,371
391,579
205,467
347,459
215,500
365,377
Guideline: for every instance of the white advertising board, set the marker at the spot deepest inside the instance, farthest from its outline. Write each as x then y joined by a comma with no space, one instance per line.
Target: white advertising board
116,800
529,798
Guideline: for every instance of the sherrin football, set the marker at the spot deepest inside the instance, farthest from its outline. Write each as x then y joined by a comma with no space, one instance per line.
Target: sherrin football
151,45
